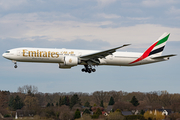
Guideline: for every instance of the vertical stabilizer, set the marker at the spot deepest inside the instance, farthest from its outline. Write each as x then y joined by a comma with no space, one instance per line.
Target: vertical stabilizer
155,49
159,45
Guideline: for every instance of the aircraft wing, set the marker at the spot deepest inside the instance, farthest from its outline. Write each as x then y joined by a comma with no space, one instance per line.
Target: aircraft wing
101,54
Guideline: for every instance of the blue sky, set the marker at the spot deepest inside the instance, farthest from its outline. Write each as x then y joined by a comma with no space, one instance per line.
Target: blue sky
90,24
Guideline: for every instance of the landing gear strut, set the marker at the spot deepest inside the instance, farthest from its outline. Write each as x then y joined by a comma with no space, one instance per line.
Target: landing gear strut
88,69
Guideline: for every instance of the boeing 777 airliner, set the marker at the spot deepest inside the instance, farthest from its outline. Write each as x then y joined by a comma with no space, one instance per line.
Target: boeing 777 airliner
67,58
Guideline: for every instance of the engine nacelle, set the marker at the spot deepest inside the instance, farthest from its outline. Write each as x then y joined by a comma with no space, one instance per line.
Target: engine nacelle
70,60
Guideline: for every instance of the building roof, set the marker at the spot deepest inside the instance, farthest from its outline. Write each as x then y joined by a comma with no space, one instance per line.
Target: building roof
126,113
168,110
109,108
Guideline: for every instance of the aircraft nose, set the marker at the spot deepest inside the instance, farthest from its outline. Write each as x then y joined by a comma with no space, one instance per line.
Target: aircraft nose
4,55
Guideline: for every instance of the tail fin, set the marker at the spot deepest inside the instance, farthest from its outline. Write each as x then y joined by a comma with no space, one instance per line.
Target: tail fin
159,45
155,49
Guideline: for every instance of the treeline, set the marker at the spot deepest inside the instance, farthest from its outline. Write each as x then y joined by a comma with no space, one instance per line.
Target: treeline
55,105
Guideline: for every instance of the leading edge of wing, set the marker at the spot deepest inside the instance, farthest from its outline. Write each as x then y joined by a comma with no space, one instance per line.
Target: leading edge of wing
102,54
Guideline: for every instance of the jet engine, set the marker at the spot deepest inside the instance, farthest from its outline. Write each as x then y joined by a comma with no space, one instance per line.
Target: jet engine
69,61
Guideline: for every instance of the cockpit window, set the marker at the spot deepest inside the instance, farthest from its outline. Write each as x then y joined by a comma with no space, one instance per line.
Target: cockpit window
7,51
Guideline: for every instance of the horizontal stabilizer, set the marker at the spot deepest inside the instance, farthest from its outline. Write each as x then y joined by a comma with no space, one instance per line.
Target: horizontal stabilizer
165,56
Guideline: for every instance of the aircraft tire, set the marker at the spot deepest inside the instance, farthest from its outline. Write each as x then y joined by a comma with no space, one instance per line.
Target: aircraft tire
89,71
83,70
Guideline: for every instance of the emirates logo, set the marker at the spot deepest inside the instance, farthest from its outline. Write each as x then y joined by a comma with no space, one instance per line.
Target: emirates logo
70,60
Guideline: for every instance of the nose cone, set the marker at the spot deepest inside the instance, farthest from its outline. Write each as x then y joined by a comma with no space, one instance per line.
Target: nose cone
3,54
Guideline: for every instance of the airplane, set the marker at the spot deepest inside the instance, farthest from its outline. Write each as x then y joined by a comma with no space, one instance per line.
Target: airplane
67,58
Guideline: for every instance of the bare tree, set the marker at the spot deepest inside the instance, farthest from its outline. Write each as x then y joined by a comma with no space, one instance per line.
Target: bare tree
65,113
123,106
152,97
28,88
98,96
31,102
4,98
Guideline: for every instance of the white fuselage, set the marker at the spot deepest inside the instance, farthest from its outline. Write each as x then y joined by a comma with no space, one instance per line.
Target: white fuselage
46,55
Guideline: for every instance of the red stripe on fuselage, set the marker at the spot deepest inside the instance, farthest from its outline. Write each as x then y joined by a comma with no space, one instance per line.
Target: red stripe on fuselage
145,54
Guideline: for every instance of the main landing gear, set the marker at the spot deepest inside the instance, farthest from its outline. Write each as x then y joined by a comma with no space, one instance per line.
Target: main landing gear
88,68
15,64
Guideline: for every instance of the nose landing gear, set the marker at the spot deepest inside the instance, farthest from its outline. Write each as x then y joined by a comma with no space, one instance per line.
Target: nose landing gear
15,64
88,69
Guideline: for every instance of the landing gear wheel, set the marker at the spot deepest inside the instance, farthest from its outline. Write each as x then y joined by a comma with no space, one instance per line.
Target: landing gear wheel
88,69
15,66
83,70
